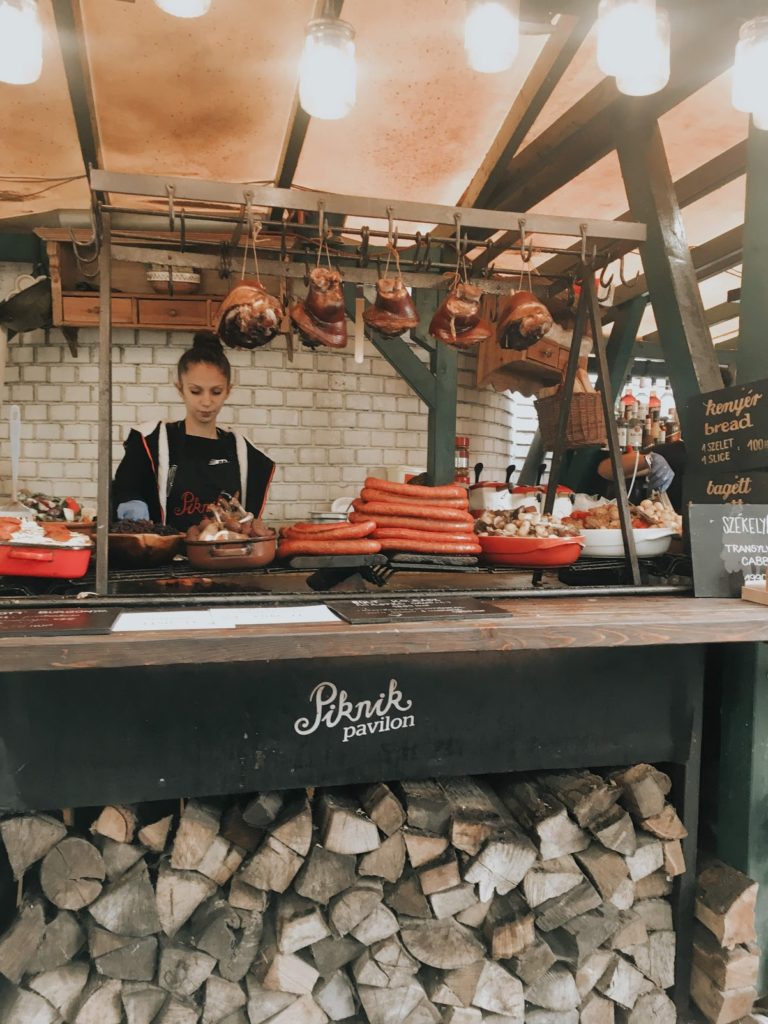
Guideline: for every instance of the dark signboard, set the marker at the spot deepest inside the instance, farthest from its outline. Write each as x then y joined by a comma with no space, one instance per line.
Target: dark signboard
718,487
55,621
729,545
727,430
403,609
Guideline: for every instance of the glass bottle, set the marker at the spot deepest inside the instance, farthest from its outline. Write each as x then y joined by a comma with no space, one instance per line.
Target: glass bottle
461,462
627,403
667,401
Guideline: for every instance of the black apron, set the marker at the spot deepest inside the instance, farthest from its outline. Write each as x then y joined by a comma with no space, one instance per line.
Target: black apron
200,468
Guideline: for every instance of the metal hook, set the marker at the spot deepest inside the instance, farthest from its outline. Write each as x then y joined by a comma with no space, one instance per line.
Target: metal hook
306,273
622,278
526,252
364,240
171,191
457,222
284,236
182,231
416,249
390,218
428,251
606,282
583,229
321,220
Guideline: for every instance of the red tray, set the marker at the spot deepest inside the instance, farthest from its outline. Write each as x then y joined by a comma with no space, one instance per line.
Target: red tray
531,552
43,560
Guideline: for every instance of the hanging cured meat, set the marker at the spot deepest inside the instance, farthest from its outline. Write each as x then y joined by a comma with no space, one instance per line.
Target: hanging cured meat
457,321
394,311
320,317
249,316
523,320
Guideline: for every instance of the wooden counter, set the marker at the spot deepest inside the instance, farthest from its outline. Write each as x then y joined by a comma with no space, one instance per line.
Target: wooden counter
527,625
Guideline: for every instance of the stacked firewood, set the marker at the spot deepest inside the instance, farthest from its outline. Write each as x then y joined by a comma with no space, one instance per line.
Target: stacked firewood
540,898
725,957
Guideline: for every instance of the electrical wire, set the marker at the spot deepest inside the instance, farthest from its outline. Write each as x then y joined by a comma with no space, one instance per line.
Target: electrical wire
10,196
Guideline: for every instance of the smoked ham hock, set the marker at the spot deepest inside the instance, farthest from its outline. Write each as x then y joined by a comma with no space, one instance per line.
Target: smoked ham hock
524,320
457,320
394,311
249,316
320,317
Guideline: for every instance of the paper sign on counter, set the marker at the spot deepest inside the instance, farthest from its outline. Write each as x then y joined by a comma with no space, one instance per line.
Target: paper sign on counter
222,618
152,622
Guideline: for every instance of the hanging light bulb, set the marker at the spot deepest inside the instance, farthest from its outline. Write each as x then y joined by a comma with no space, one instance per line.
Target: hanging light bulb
623,28
649,72
492,34
21,42
327,71
184,8
750,71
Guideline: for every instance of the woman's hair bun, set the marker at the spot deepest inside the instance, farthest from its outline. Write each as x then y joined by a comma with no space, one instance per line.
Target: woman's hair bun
207,341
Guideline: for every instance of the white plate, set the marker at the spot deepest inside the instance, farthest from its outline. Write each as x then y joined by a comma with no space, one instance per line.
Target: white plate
609,543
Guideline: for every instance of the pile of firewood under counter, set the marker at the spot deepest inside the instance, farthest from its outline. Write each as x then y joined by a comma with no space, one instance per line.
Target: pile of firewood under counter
543,899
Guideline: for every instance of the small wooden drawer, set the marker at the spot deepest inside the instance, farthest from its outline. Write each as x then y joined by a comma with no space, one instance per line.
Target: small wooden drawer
84,309
545,352
214,314
174,311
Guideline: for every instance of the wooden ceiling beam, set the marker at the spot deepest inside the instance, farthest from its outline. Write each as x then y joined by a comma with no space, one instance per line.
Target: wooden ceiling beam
714,315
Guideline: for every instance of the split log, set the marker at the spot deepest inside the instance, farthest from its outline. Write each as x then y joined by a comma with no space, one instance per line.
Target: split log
293,828
183,970
390,1005
474,916
221,999
332,953
273,867
644,789
62,941
453,988
544,818
178,894
647,858
263,809
537,1016
587,796
387,862
423,847
128,906
62,987
725,904
596,1009
116,822
609,874
386,964
179,1011
615,831
344,827
442,944
656,958
631,932
118,857
101,941
666,825
142,1003
591,971
502,863
462,1015
720,1007
450,902
405,896
548,879
290,973
476,812
439,875
656,914
28,838
72,874
426,806
335,997
726,968
508,926
236,830
325,874
231,937
555,990
382,807
102,1003
155,835
244,897
19,944
349,908
423,1013
533,962
18,1006
654,1006
653,886
220,861
264,1004
574,941
499,992
197,829
674,859
621,982
135,961
303,1010
378,925
558,911
299,924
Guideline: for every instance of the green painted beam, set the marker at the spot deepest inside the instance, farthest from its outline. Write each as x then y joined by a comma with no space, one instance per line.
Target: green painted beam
753,350
669,269
714,315
441,421
17,248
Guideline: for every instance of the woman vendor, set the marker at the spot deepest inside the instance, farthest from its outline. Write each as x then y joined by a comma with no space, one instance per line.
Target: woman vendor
171,472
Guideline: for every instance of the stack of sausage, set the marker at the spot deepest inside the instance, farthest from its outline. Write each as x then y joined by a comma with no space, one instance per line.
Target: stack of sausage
328,539
415,519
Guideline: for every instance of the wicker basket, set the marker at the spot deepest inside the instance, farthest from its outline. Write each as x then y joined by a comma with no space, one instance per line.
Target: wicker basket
586,423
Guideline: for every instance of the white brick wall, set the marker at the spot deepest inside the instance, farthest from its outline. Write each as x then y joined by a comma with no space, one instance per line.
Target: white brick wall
324,419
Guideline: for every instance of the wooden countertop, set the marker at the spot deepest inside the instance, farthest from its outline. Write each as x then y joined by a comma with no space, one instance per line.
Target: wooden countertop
528,624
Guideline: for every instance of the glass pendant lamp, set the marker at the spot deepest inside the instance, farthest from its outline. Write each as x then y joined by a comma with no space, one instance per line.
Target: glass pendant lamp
21,42
492,34
327,71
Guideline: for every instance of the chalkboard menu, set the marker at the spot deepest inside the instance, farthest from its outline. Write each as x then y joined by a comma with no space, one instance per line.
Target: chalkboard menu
56,621
727,430
401,609
729,545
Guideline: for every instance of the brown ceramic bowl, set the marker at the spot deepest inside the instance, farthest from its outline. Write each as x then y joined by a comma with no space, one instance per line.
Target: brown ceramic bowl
250,553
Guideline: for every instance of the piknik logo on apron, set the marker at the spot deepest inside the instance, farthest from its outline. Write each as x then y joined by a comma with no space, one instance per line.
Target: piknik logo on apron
333,709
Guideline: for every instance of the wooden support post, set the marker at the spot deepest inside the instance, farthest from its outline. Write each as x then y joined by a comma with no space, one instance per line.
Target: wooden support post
669,270
104,477
753,356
